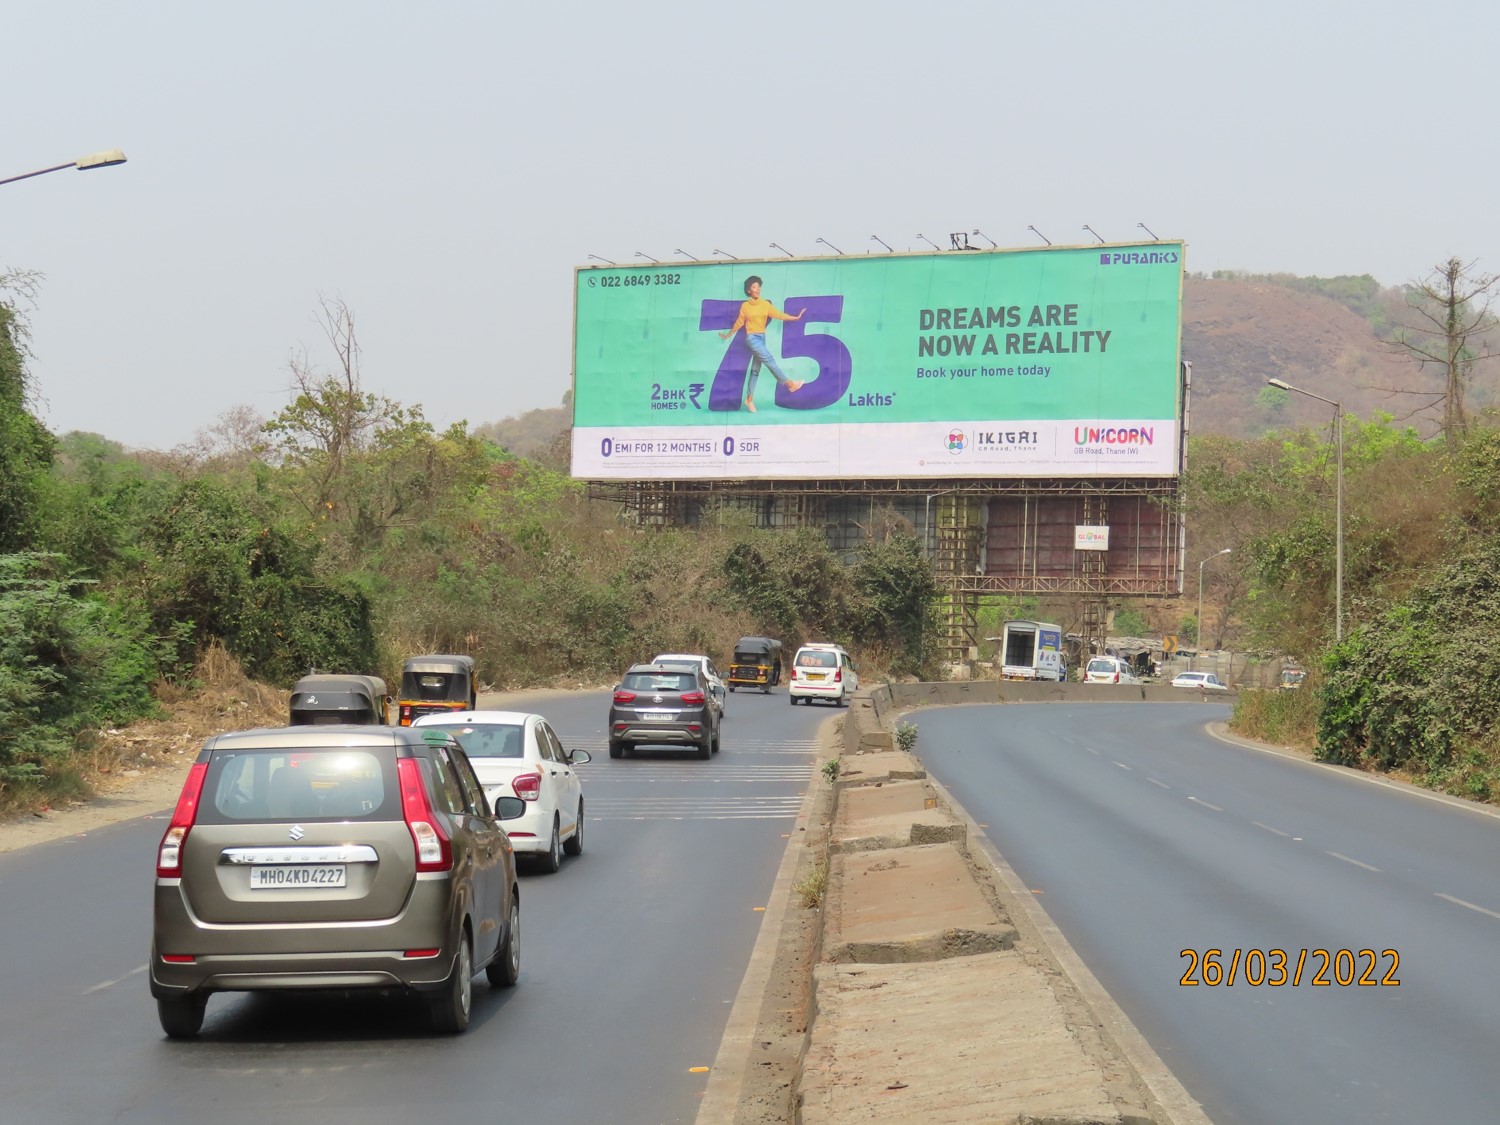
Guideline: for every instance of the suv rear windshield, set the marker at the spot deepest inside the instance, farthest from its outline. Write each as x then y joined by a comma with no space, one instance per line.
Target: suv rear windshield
817,658
1101,665
661,681
278,785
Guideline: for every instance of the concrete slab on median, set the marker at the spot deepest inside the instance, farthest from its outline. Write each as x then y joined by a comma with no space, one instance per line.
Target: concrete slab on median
878,767
893,815
918,903
971,1039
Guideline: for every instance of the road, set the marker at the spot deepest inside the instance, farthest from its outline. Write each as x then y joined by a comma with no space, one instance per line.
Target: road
631,957
1143,837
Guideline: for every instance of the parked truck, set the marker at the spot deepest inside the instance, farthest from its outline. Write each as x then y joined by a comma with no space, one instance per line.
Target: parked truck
1032,650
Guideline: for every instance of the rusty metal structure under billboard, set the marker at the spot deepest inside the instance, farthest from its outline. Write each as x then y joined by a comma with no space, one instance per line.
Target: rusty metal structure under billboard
986,538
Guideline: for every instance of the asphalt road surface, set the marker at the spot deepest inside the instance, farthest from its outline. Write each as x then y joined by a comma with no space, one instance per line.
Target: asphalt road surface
631,957
1144,837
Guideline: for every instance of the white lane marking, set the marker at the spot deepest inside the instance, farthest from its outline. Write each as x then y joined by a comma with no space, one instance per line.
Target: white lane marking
1123,766
1091,750
1468,905
100,987
1163,784
1205,804
1268,828
1357,863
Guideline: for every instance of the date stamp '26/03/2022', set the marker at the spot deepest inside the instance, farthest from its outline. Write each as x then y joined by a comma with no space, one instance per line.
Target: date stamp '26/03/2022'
1275,968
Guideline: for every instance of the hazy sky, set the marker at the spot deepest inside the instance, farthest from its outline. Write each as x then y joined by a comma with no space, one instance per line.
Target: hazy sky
443,167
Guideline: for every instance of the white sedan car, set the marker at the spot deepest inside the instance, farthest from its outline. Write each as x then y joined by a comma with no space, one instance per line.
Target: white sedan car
517,754
1204,681
716,683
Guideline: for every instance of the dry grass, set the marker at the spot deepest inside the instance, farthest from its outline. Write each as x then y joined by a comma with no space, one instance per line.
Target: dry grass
220,698
812,886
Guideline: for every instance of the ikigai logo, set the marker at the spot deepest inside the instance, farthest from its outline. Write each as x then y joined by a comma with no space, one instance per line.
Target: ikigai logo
956,442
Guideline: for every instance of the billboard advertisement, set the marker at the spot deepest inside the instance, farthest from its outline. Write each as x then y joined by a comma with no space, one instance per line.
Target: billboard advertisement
1060,361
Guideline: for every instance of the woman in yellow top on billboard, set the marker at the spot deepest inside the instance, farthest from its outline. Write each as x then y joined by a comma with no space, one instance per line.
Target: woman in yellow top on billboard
755,314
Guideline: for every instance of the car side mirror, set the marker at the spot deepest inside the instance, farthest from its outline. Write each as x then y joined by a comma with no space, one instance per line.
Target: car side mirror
579,757
509,808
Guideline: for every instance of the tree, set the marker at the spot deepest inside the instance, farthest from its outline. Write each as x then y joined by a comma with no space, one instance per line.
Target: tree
25,444
1450,315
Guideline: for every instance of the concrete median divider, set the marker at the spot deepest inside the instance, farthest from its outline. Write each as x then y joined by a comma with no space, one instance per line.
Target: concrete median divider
938,998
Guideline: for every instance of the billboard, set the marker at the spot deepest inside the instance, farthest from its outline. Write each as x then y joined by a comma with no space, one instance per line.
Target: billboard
1060,361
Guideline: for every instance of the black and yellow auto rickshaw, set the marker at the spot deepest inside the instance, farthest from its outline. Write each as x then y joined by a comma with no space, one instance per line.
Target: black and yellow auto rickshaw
756,663
319,700
433,684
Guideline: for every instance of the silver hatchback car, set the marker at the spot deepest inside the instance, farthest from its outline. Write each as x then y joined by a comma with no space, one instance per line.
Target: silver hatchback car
333,857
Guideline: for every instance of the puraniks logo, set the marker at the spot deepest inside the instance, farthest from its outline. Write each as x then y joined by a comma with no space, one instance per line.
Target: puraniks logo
1114,435
956,441
1139,258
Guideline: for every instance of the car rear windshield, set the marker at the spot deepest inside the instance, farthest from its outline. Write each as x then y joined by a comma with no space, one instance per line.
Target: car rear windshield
1102,666
661,681
486,740
245,786
817,658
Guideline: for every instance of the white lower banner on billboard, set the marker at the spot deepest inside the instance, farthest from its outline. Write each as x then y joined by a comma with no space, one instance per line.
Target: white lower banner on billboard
916,449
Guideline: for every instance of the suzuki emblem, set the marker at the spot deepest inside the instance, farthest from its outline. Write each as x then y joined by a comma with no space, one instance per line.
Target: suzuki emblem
296,833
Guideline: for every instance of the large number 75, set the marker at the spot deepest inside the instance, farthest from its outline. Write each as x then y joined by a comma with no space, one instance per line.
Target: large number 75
834,364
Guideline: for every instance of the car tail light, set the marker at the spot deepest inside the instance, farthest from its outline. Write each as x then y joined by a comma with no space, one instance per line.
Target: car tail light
419,953
838,675
692,697
1117,677
406,714
528,785
169,855
178,958
434,852
624,697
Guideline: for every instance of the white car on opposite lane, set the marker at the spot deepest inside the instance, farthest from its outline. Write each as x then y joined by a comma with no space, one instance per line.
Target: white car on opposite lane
518,754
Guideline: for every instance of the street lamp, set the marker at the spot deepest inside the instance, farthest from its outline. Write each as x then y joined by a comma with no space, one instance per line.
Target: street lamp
1201,565
107,159
1338,503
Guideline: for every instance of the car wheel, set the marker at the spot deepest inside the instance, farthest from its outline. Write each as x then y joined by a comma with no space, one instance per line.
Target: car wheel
731,688
551,860
706,747
718,741
181,1018
841,701
616,749
505,969
792,699
573,845
450,1011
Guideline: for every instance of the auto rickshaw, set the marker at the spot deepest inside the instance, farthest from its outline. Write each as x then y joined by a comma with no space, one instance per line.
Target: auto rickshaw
318,700
756,663
435,683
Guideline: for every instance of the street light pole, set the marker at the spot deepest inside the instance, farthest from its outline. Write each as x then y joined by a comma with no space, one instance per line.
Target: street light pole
1338,492
1205,562
107,159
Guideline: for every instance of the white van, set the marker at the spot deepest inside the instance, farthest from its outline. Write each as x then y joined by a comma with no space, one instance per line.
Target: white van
1109,670
822,671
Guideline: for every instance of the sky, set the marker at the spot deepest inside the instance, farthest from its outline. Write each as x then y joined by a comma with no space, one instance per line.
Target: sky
443,168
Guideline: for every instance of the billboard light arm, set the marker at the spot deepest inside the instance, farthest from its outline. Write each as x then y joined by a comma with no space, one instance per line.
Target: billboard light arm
1148,230
606,261
648,257
685,254
929,242
1039,234
993,244
830,246
883,242
783,249
727,254
1093,232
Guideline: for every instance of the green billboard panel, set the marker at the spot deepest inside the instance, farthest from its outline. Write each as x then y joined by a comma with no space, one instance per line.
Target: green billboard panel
1055,362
